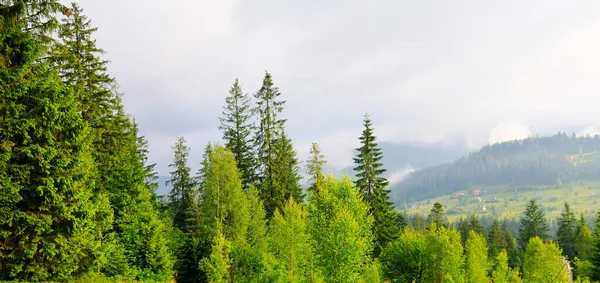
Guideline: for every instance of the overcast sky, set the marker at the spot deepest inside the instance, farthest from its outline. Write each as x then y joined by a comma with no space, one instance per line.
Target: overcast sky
450,72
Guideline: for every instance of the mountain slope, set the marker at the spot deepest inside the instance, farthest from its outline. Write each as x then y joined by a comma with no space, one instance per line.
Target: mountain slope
538,161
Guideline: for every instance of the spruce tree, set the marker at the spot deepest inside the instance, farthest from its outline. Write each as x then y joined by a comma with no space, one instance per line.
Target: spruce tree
565,236
595,257
269,129
476,258
182,184
533,223
372,186
437,216
237,129
285,182
314,166
46,212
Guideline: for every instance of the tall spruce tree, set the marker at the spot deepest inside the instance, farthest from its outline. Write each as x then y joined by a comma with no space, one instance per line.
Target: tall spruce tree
595,257
46,212
270,128
372,186
566,233
237,129
533,223
314,166
182,184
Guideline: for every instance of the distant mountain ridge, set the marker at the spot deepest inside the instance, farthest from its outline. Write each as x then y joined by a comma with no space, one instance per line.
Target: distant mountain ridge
533,161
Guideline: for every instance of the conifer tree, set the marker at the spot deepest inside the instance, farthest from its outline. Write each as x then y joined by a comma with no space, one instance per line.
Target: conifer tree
565,236
584,243
498,240
270,128
595,257
437,215
314,166
237,129
285,182
46,213
372,186
533,223
444,255
182,186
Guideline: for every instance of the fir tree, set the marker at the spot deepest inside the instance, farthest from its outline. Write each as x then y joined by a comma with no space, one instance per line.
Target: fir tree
565,236
584,243
533,223
437,215
237,129
595,257
46,212
182,186
285,181
270,128
314,166
373,187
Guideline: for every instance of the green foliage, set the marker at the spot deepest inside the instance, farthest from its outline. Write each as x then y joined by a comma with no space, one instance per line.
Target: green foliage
595,257
270,128
224,205
285,181
237,128
181,197
46,208
340,224
533,224
372,185
476,261
543,262
445,255
217,265
502,273
291,243
584,243
406,258
565,236
437,216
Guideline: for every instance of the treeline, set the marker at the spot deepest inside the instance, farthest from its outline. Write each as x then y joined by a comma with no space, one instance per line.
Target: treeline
533,161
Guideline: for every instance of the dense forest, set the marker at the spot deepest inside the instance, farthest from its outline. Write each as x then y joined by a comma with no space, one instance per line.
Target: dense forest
78,201
533,161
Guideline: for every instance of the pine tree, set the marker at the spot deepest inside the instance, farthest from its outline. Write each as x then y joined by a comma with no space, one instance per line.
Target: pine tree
237,129
476,261
595,257
437,215
314,166
269,130
285,181
533,223
182,192
46,213
373,187
565,236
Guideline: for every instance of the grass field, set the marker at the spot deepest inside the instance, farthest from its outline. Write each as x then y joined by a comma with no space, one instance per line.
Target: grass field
505,201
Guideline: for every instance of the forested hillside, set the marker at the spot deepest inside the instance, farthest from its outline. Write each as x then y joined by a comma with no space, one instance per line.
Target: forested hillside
533,161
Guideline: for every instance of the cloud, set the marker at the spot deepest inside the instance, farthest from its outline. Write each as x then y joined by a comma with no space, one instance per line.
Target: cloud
590,131
400,174
507,131
426,71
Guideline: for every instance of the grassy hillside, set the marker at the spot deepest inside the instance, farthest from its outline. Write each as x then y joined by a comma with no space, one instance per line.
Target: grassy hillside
510,201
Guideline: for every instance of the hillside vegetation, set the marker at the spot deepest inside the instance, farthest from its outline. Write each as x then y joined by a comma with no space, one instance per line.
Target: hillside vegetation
522,165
